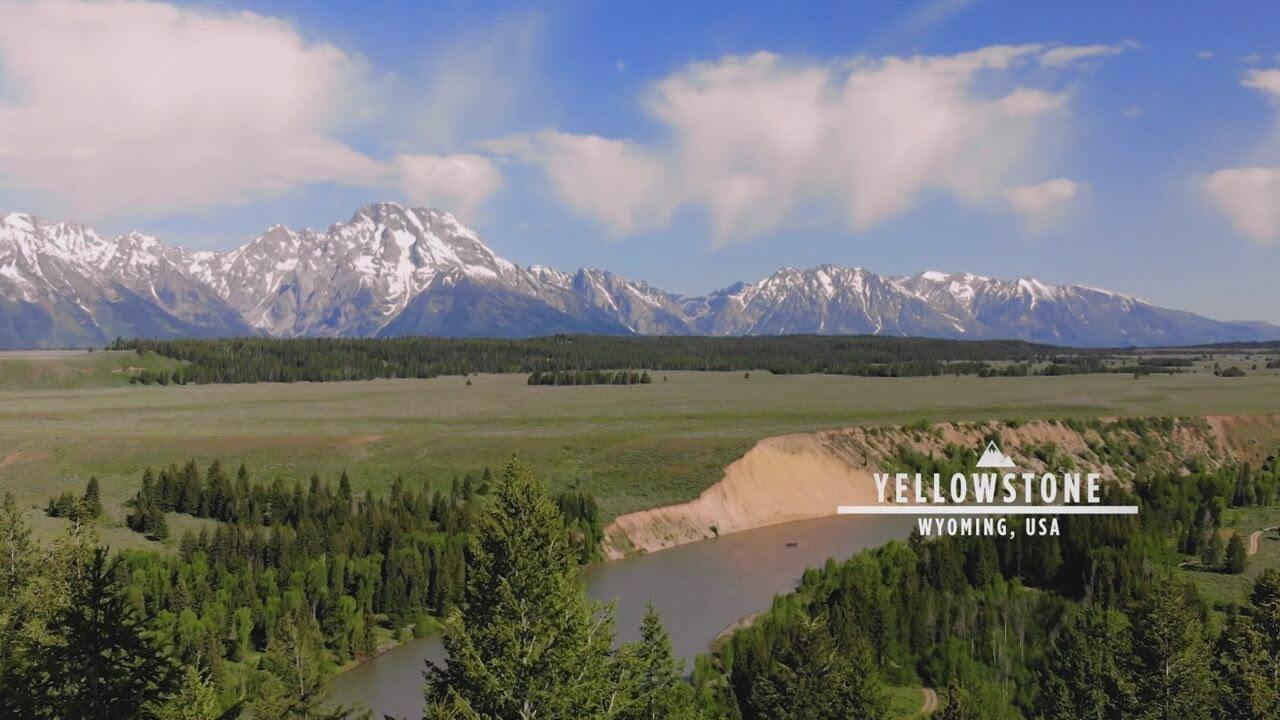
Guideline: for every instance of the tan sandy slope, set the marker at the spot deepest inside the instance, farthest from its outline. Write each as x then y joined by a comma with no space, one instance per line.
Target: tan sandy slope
793,477
804,476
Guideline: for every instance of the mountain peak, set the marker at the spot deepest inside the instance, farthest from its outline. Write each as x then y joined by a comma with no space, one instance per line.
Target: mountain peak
396,269
386,210
20,221
377,210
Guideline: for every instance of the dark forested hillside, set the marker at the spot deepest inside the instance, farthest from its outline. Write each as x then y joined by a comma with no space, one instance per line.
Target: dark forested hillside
318,360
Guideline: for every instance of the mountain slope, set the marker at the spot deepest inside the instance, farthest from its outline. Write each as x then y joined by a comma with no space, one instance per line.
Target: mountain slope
392,270
351,279
455,305
62,284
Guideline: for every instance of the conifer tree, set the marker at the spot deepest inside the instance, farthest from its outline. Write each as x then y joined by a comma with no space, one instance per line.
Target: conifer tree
1265,599
526,642
18,566
1086,671
653,676
1237,557
1242,672
92,500
106,666
1215,552
1173,678
808,678
194,699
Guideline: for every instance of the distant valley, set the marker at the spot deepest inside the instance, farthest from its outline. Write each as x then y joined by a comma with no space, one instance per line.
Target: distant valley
393,271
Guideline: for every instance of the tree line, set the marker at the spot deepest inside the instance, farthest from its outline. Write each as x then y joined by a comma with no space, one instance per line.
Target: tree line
589,377
307,572
87,634
327,359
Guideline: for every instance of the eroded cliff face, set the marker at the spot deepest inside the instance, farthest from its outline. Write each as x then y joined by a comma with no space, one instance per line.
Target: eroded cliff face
799,477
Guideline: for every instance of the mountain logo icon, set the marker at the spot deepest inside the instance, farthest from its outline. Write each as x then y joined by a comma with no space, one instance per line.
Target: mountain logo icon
993,458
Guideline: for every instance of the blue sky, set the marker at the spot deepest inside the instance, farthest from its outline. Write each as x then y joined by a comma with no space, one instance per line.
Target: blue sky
1132,146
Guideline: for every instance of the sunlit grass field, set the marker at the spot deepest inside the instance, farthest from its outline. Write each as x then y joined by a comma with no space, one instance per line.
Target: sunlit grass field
632,446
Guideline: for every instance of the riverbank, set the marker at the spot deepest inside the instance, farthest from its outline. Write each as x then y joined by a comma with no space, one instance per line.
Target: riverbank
780,480
699,589
713,580
805,476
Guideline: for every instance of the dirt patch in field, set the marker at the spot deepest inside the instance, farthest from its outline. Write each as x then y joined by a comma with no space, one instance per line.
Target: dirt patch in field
19,456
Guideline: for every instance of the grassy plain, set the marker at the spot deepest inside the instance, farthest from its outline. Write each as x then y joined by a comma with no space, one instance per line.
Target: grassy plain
632,446
68,369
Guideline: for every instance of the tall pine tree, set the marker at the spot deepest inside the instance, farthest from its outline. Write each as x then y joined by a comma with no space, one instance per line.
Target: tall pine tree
526,643
107,666
1086,671
1173,678
808,678
1242,671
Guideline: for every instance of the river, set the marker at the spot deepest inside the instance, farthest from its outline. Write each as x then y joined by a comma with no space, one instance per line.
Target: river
700,589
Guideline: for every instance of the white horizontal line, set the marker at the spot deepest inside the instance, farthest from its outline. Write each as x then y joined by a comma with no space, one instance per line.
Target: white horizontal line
987,510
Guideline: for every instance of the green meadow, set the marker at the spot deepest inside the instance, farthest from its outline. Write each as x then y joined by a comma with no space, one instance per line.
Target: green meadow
75,369
1223,588
632,446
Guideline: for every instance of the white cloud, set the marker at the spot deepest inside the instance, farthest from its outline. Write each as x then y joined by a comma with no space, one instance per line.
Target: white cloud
617,182
130,106
1250,198
459,183
1266,82
1204,55
1043,204
1251,59
139,108
750,139
1064,55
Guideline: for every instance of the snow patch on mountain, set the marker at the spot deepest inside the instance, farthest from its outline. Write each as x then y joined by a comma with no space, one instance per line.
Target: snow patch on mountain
392,269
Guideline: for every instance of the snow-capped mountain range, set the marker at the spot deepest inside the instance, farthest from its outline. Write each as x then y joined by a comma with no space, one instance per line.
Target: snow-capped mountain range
392,270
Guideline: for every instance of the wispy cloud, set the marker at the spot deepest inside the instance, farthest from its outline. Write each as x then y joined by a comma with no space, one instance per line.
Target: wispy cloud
1063,55
933,13
476,81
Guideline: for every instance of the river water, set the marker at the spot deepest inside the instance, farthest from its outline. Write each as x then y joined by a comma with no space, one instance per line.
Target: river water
700,589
